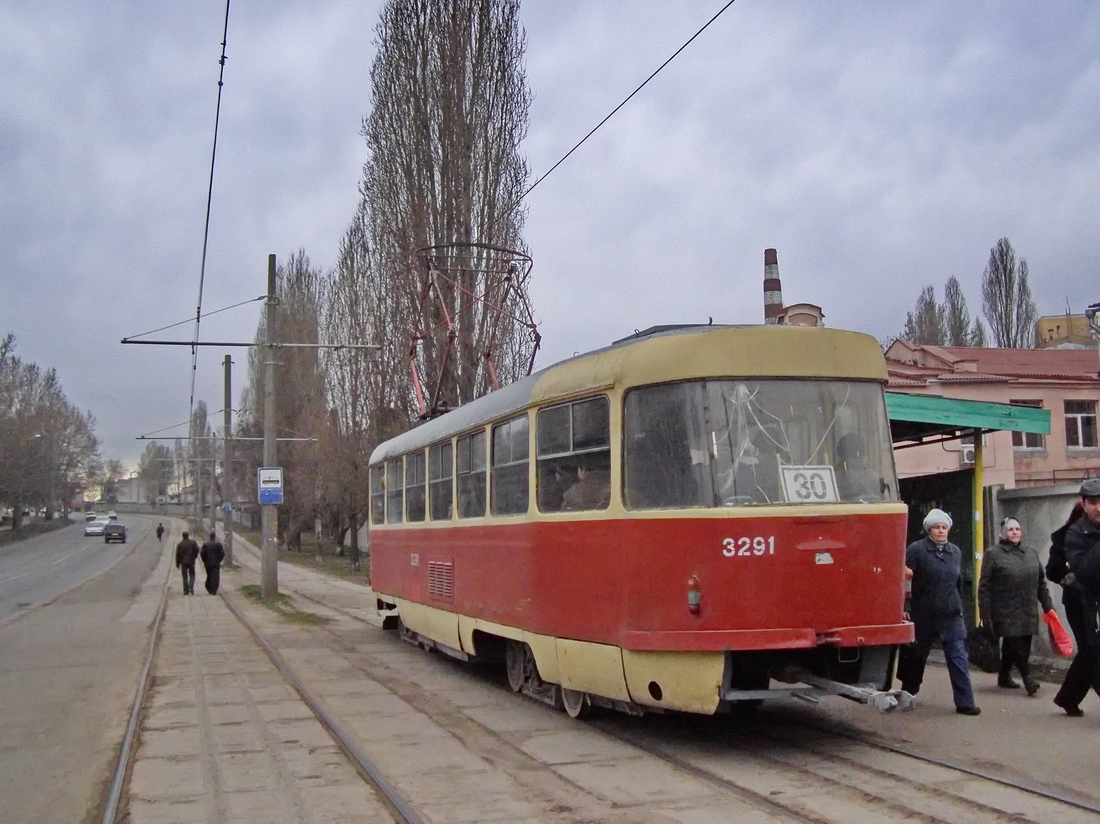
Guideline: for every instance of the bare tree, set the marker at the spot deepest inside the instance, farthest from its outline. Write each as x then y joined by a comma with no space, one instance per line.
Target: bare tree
1006,299
47,447
155,470
300,407
450,108
926,324
358,386
200,458
957,326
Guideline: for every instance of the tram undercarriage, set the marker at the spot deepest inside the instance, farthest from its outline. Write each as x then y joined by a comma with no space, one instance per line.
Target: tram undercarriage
861,674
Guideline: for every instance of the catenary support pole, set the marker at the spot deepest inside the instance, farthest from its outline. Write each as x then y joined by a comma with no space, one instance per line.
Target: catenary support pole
227,467
269,578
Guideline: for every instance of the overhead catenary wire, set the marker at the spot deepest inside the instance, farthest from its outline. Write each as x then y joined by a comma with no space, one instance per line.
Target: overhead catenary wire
623,103
209,198
130,339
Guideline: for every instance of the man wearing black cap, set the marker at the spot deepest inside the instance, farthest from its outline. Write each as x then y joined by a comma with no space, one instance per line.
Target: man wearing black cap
1082,546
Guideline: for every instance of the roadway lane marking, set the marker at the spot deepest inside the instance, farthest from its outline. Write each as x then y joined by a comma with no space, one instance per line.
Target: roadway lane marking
12,578
70,555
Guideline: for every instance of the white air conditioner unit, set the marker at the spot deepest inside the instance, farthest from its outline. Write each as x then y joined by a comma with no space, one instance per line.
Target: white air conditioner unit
966,455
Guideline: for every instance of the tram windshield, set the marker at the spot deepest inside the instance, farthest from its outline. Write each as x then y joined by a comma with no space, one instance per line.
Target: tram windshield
742,443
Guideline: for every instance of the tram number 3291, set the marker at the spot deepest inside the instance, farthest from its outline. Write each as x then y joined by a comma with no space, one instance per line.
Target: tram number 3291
749,546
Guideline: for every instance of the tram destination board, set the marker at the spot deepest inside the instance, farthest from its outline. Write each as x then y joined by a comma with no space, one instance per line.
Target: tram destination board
269,485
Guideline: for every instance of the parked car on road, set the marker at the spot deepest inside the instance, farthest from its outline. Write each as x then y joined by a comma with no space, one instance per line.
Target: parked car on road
114,531
96,527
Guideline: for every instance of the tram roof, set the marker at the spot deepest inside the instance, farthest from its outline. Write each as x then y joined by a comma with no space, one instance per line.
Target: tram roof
666,353
930,418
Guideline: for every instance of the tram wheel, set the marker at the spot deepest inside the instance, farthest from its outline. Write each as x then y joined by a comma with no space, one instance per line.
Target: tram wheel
515,662
575,703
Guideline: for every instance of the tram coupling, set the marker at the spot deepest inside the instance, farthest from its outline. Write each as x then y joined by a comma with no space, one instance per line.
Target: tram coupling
813,688
882,700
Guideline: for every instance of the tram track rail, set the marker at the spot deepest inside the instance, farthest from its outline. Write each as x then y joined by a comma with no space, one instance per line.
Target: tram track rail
820,774
848,775
396,804
960,768
122,762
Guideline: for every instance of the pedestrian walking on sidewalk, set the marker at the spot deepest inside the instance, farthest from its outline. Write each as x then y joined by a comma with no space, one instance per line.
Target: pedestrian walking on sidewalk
187,552
1012,581
212,554
160,532
935,608
1079,575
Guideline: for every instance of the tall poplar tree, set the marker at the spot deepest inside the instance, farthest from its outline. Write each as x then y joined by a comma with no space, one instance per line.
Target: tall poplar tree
1006,299
450,109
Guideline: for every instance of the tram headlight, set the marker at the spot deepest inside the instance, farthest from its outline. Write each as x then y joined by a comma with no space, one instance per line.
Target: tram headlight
695,596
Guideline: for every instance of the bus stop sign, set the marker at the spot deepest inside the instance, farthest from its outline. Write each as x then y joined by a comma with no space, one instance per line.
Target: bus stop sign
269,485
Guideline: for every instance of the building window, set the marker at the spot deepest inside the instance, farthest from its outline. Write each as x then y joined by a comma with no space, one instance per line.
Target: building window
1027,440
414,486
439,481
574,456
394,490
510,453
1081,423
470,468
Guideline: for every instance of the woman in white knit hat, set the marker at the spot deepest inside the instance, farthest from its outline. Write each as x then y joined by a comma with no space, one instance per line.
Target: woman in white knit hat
1012,581
935,608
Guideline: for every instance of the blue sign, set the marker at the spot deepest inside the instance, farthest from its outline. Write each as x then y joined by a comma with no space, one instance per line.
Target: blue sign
269,483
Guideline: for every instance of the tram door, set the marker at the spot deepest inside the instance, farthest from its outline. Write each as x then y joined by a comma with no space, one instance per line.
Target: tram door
951,492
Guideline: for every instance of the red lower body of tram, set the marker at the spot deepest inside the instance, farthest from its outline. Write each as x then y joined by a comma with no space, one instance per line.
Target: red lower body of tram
667,612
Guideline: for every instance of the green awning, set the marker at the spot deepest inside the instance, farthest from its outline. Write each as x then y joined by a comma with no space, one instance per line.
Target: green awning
918,417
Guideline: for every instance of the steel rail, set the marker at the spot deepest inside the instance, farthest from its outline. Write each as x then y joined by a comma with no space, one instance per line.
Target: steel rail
396,803
1031,789
778,808
114,792
771,805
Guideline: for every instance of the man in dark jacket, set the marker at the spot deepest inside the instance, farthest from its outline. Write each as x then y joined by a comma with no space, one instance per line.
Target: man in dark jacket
1082,547
1084,670
187,551
213,553
935,607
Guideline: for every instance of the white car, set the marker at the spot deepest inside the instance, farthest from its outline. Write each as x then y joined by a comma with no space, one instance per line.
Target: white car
95,527
112,515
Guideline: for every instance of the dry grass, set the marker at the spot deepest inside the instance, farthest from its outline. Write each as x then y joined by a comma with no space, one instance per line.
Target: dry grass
322,559
282,606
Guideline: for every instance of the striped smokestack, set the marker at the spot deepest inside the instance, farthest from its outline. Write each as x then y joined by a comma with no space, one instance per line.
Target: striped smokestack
773,290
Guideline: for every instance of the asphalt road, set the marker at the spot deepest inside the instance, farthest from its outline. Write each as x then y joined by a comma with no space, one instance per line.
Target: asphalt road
69,664
35,571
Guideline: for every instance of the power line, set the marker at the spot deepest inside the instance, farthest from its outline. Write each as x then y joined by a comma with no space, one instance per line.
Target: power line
209,197
187,320
625,101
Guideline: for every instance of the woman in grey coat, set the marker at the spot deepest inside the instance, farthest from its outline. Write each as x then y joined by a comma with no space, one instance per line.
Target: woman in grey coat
1012,581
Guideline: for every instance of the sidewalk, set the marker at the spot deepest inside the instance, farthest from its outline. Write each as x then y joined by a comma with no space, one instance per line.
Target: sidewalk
225,739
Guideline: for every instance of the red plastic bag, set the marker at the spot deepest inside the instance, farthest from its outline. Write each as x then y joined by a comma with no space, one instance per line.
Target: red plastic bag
1060,641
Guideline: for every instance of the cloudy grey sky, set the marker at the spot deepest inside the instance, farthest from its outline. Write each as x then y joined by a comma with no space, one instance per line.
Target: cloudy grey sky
878,146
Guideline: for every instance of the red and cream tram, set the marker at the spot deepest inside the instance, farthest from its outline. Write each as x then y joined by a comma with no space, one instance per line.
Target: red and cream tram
673,522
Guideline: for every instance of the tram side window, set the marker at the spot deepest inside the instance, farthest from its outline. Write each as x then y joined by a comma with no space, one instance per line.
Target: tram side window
440,485
470,468
394,491
510,458
378,494
414,486
665,450
574,456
